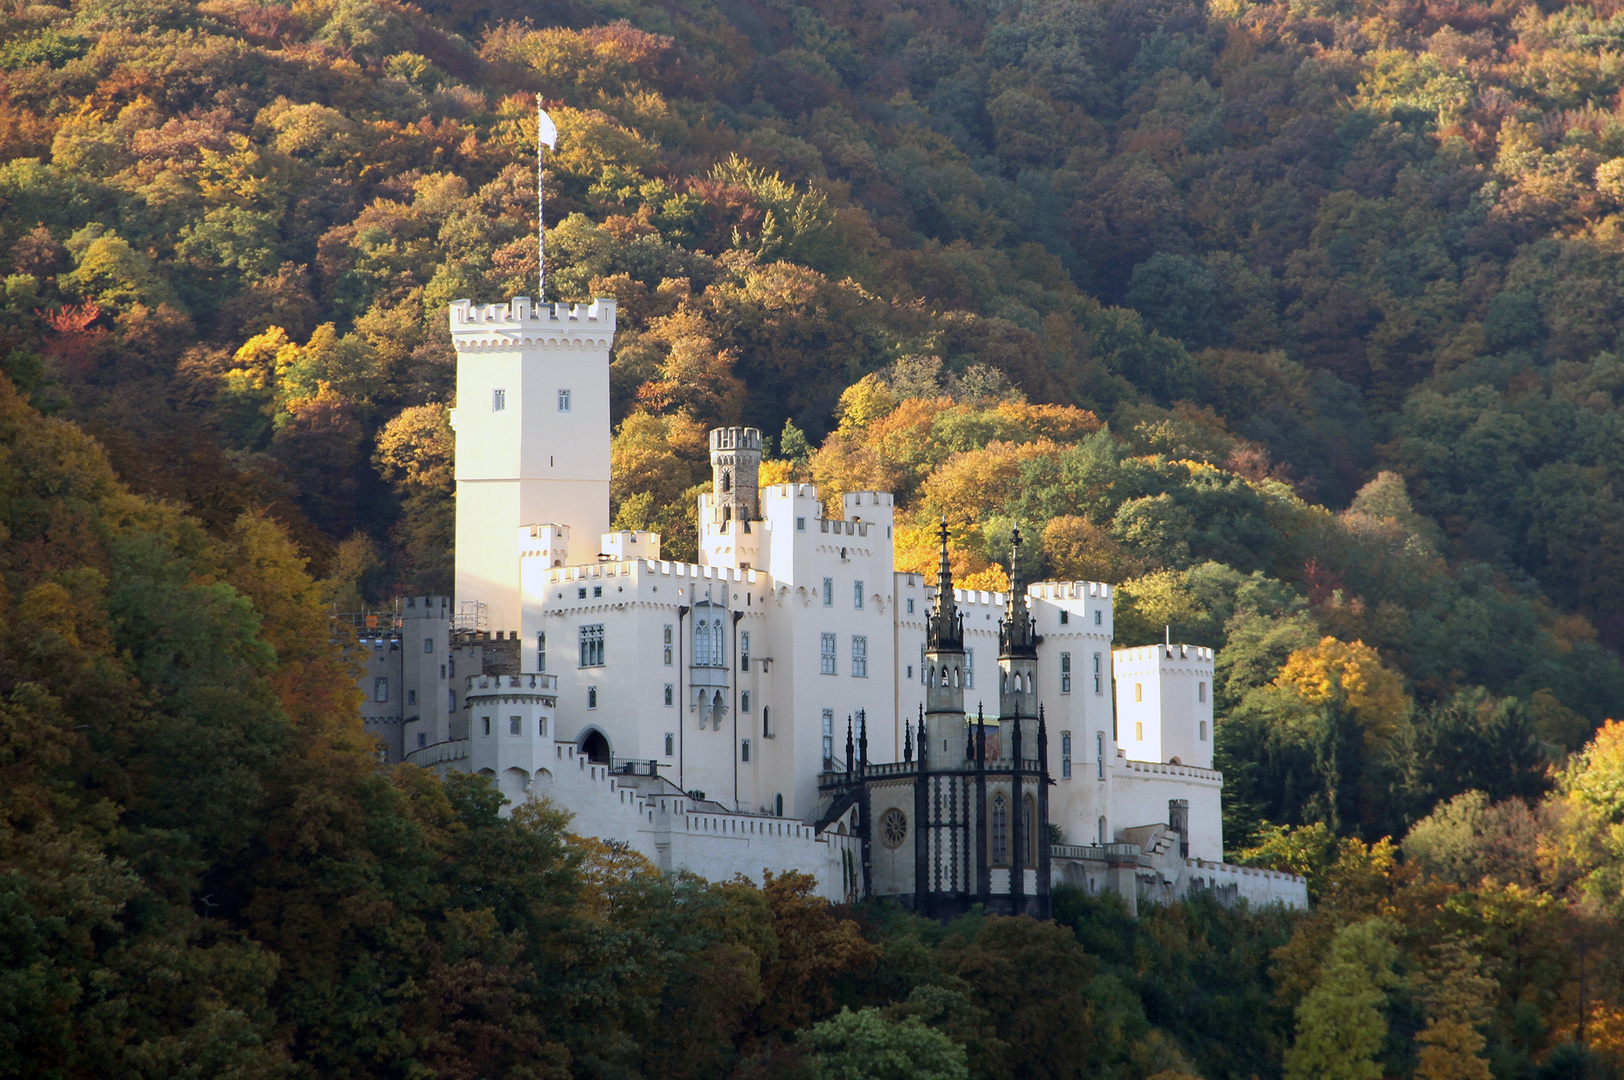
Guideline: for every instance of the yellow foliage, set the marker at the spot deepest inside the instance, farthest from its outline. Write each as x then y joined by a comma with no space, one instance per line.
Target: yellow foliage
972,484
257,364
864,402
992,579
775,471
1349,673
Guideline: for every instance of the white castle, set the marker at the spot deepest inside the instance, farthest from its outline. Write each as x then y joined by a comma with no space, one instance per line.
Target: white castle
791,701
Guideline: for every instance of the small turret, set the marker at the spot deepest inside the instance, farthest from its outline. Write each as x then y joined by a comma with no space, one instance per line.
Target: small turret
944,674
735,454
1017,650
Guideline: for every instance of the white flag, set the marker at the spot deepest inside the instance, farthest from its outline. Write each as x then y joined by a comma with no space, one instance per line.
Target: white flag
546,130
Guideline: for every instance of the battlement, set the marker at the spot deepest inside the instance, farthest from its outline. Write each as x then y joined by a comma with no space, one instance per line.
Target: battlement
735,438
1149,654
865,498
519,313
610,568
509,685
1068,590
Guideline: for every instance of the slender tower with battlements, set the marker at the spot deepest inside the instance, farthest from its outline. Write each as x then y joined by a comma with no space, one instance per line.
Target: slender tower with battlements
532,423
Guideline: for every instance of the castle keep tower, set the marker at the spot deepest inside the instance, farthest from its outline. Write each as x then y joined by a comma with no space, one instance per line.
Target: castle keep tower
532,421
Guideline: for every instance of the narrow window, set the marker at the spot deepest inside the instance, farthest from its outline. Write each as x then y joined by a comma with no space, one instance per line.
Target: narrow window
428,645
1201,692
859,656
778,806
800,524
828,738
744,651
1000,830
515,725
744,701
1098,617
828,592
1099,755
670,695
422,739
969,669
1029,837
744,751
1099,682
766,723
857,595
1065,673
1065,618
498,401
411,697
670,744
1139,730
591,645
563,401
667,645
484,725
380,689
827,657
1065,755
1102,828
451,700
1203,731
910,605
592,697
541,651
1139,691
541,727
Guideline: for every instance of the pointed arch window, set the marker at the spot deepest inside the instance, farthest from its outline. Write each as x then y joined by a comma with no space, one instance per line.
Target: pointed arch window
1029,837
999,838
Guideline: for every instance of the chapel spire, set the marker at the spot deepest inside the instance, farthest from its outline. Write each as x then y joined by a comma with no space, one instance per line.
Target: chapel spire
945,630
1017,633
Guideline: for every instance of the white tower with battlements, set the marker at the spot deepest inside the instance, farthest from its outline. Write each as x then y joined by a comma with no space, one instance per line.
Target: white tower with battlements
532,424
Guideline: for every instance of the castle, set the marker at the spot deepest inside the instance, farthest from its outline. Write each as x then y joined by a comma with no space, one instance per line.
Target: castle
791,701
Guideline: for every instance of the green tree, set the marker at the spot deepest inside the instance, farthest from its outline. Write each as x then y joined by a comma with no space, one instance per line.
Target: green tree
1341,1029
864,1045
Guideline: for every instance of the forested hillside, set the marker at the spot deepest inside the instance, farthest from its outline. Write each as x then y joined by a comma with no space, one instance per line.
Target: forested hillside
1297,322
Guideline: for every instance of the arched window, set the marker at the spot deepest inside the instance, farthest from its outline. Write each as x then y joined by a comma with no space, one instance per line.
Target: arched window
1102,828
716,644
727,481
1029,838
1000,830
702,643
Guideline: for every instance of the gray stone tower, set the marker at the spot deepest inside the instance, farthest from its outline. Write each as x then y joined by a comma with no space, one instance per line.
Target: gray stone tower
735,454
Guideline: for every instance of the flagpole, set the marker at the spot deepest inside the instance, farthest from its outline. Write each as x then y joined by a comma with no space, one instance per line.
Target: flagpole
541,215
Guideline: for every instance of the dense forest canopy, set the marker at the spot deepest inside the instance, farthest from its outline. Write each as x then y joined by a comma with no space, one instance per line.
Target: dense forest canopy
1296,321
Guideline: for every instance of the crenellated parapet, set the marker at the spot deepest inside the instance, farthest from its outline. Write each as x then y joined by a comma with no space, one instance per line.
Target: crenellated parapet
523,324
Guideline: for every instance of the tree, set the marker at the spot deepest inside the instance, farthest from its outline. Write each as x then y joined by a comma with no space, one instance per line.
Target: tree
1340,1026
1456,996
864,1045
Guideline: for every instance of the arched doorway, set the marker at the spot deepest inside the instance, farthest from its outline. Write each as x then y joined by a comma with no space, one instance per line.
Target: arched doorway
595,747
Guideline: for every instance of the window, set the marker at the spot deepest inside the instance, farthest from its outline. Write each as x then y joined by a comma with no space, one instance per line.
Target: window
744,701
800,524
1139,691
1139,730
910,671
563,401
591,642
670,695
592,697
1065,618
910,605
859,656
1203,731
451,700
1065,755
744,751
580,594
1000,830
1029,835
778,805
1065,673
515,725
670,744
1099,682
411,697
828,592
597,590
857,595
498,401
1102,828
442,671
422,739
667,644
827,660
969,669
428,645
828,737
484,725
1099,755
766,723
1201,692
1098,617
744,651
380,689
541,652
541,727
